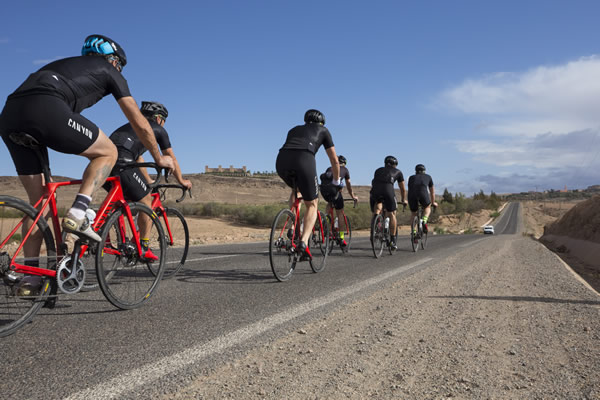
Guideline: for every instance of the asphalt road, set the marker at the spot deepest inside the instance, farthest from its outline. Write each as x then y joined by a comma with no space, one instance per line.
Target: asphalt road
223,302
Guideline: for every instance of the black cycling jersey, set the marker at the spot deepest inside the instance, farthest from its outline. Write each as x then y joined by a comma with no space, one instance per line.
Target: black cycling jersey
130,147
327,176
387,175
418,191
308,137
418,181
80,81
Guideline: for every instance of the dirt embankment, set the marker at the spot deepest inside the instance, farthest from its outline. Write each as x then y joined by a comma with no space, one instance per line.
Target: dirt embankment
575,237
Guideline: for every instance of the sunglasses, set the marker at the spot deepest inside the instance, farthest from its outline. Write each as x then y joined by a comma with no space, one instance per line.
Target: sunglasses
118,65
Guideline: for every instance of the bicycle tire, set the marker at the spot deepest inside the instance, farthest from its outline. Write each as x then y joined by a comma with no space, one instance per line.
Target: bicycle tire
124,278
17,309
414,234
390,248
319,244
332,238
281,255
178,250
377,240
347,235
423,240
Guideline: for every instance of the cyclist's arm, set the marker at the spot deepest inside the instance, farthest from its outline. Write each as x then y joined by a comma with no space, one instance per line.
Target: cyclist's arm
432,193
335,164
177,170
349,186
402,191
143,130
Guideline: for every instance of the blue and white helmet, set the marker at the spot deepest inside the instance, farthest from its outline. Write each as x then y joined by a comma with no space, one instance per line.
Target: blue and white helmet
101,44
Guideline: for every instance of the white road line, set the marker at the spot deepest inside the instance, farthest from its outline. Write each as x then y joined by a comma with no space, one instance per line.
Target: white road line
128,382
210,258
472,243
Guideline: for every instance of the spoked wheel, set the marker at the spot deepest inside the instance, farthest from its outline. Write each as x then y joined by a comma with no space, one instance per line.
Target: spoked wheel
281,252
377,233
319,244
332,238
414,233
21,295
347,235
423,239
177,237
126,279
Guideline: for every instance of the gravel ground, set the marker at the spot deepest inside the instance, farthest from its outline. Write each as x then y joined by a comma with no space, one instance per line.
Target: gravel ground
502,319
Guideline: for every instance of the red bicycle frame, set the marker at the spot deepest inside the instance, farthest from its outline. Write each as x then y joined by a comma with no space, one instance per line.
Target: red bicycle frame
113,200
296,211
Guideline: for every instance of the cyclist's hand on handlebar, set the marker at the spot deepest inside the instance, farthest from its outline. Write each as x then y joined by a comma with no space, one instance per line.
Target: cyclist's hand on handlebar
166,162
434,204
355,198
187,183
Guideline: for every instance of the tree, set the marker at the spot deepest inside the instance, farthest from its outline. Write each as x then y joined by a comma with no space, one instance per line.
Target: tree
447,196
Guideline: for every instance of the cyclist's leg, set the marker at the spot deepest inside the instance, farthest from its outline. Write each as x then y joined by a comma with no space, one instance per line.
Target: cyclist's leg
389,201
34,187
103,156
425,202
136,189
413,204
310,216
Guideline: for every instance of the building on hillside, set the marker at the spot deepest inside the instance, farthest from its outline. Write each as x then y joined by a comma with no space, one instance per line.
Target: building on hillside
231,171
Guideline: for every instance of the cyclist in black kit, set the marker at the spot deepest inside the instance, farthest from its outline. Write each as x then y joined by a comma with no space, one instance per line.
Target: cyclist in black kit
47,106
296,164
382,191
333,194
420,186
135,180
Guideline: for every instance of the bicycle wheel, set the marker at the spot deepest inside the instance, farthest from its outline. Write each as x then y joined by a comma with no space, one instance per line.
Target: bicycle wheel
177,237
281,255
377,240
124,277
332,238
347,234
319,243
390,248
423,239
22,295
414,233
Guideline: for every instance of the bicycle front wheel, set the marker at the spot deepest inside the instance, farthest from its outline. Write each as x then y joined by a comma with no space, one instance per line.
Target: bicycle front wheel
177,237
377,239
423,239
124,276
319,243
414,233
22,295
281,255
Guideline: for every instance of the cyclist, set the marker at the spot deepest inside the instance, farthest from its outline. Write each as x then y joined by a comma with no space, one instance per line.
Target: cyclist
47,106
135,180
382,191
296,163
333,194
420,187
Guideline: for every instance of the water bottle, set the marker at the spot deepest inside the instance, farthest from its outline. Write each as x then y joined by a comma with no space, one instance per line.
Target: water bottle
90,215
387,223
335,223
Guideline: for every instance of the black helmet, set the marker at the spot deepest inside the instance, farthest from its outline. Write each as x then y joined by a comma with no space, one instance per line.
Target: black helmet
391,160
152,108
314,116
342,160
419,168
101,44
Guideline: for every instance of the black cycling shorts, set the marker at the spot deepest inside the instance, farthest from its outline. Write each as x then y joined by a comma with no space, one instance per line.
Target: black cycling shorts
299,165
134,184
383,194
333,195
419,197
49,120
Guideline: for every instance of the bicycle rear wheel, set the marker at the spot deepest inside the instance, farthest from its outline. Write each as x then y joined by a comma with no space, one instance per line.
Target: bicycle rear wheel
414,233
423,239
178,241
281,254
125,277
332,238
347,234
22,295
377,239
319,243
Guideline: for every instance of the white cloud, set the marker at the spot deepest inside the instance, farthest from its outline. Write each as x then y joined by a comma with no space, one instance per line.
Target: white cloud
560,99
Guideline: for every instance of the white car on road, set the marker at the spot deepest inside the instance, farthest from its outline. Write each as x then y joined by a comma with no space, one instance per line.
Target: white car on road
488,229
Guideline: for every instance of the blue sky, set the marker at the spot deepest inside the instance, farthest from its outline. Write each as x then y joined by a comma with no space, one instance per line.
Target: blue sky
501,96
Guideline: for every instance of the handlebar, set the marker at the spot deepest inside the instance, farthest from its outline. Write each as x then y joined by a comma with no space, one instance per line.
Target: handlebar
183,189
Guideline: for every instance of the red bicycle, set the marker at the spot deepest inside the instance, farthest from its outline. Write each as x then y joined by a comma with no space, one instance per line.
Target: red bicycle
286,232
28,283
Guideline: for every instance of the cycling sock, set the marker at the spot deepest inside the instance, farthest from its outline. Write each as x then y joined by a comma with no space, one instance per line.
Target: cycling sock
341,235
144,242
425,218
80,205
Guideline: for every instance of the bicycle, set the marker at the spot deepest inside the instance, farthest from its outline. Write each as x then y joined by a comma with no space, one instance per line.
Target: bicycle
285,237
418,237
177,234
27,284
380,233
333,223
